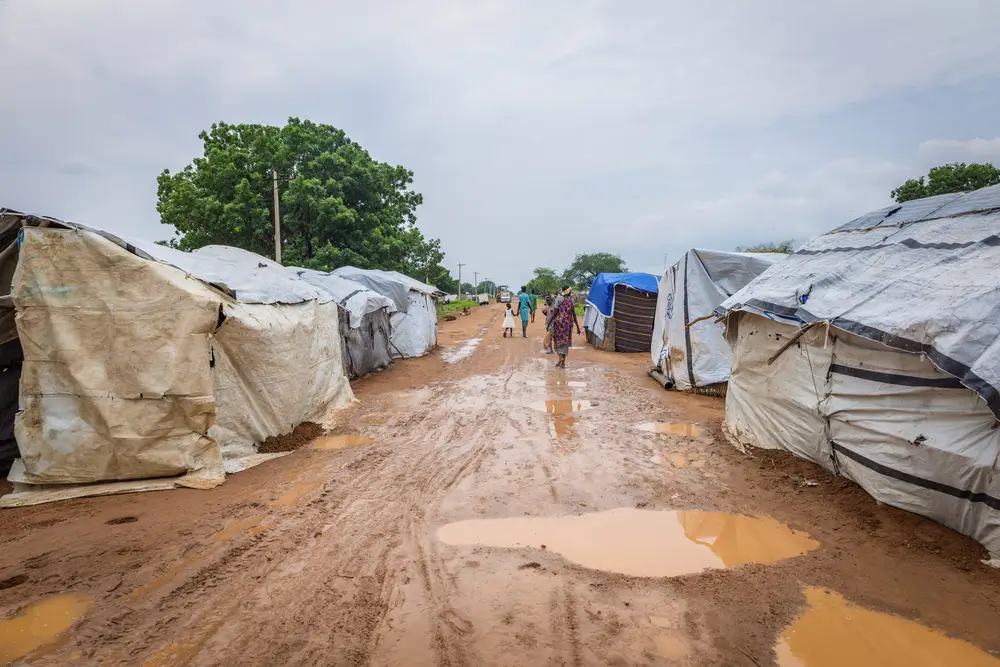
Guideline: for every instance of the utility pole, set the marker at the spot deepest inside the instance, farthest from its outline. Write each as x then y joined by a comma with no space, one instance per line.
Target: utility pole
475,278
277,218
460,281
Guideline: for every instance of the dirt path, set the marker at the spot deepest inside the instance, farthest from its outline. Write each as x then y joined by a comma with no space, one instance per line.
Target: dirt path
332,557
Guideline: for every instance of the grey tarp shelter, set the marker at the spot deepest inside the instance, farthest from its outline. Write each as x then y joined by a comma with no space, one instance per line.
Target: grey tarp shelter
893,379
364,321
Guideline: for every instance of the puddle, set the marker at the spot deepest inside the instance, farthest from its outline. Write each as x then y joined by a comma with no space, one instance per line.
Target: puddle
642,543
833,631
340,441
40,624
551,384
563,427
672,428
560,406
451,355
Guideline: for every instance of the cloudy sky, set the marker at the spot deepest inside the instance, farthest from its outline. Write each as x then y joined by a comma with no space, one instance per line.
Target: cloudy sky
556,127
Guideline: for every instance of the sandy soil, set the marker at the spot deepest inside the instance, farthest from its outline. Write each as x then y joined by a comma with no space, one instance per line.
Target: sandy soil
330,557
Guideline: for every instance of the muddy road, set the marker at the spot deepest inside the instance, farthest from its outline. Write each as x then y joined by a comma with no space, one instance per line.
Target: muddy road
485,509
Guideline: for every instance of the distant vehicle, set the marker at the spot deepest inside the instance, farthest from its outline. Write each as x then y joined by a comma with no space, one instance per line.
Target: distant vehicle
483,299
505,297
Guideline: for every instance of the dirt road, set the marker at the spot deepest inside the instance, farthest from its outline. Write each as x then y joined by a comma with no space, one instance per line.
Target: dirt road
376,553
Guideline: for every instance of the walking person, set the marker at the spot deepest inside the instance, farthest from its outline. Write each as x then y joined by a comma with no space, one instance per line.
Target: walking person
563,319
546,309
524,309
508,322
534,305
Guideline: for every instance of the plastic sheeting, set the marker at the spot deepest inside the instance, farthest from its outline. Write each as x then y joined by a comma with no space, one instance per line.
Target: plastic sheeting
414,324
602,290
352,296
116,382
246,276
392,284
137,369
275,368
909,434
366,348
698,356
901,366
414,331
926,285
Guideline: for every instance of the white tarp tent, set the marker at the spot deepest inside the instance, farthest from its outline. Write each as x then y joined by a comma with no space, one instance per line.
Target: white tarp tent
893,380
698,355
146,363
414,324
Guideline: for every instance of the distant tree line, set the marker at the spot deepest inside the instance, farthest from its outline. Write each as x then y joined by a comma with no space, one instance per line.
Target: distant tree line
579,275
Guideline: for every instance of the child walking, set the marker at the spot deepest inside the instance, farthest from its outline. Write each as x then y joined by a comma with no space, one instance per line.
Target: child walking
508,322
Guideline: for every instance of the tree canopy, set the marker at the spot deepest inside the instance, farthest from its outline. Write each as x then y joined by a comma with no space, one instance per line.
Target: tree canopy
585,267
768,246
954,177
545,281
338,205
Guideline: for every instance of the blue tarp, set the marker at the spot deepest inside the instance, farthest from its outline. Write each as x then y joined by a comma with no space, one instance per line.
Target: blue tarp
602,290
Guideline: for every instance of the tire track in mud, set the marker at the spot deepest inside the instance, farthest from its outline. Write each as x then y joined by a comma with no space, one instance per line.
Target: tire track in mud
350,568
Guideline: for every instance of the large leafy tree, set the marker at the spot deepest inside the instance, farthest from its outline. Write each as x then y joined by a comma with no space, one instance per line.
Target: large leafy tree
954,177
338,205
545,281
585,267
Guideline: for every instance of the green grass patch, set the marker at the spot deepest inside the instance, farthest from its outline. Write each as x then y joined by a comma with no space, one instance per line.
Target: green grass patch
579,308
445,308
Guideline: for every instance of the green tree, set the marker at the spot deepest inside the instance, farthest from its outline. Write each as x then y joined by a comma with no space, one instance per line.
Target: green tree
954,177
782,247
585,268
544,281
338,205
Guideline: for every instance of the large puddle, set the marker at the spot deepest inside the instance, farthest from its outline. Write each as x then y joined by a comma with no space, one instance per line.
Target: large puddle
834,632
686,429
340,441
40,624
642,543
560,406
555,383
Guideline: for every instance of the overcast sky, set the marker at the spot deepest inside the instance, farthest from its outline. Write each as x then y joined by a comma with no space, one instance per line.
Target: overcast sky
537,130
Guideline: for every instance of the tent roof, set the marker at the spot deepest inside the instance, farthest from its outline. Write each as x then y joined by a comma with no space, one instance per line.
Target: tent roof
388,283
246,276
920,277
353,297
602,290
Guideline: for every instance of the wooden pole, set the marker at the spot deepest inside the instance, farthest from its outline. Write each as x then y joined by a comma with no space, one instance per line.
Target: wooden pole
277,218
791,341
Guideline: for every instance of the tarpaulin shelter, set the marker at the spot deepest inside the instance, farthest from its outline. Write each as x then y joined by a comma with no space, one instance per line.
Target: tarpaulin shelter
688,347
414,324
874,351
148,368
620,310
364,321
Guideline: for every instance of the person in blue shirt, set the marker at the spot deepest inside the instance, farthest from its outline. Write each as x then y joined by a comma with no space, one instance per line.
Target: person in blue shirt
524,309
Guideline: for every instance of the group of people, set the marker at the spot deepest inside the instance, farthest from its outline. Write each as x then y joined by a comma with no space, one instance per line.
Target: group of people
560,320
